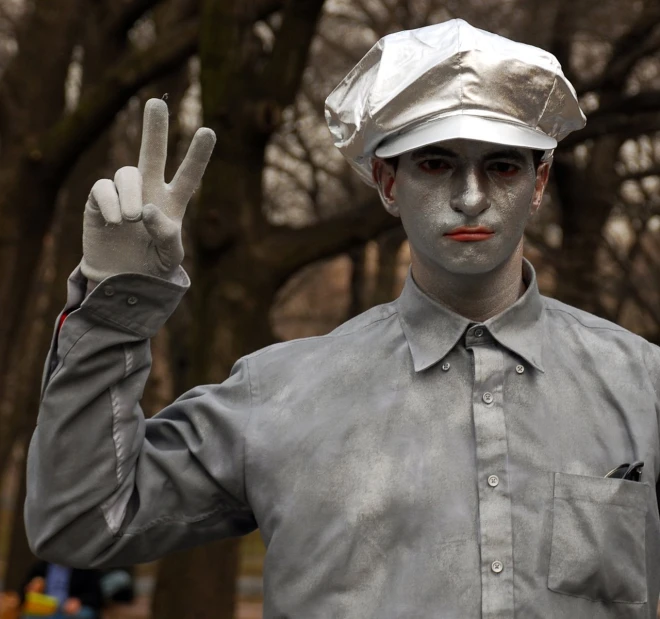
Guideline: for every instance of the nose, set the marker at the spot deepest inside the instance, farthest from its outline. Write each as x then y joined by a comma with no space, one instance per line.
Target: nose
469,193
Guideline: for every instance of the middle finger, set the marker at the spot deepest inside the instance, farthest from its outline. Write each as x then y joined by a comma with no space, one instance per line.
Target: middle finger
129,187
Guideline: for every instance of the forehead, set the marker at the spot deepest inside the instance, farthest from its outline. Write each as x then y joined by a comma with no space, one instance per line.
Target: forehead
472,149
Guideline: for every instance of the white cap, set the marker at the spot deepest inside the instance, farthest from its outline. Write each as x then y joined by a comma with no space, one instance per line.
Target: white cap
448,81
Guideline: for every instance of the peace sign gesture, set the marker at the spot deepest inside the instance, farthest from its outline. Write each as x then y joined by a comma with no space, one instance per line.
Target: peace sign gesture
133,225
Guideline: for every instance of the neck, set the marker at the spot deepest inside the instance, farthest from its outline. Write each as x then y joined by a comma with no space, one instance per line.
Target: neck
476,297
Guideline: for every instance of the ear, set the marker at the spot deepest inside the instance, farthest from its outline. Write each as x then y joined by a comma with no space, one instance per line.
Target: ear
384,176
542,175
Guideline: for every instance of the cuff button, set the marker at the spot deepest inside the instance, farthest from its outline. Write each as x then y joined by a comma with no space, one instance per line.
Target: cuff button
131,300
108,291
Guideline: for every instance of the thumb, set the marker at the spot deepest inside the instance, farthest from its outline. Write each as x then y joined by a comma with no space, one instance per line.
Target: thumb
166,235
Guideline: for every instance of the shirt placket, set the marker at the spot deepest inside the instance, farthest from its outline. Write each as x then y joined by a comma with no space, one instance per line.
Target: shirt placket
496,539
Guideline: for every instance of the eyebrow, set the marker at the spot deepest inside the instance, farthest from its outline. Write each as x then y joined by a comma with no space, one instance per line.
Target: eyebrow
433,150
508,153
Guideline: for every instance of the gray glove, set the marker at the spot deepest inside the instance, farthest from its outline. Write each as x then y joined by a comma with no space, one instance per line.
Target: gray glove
133,225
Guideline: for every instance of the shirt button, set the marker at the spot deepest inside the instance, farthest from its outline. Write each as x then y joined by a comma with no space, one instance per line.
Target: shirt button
445,366
496,566
131,300
478,332
487,397
520,369
493,480
108,291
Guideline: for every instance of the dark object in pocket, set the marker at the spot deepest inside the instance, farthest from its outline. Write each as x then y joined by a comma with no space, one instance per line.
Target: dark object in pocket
631,472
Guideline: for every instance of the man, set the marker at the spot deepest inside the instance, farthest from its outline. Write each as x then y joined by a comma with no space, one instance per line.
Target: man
440,456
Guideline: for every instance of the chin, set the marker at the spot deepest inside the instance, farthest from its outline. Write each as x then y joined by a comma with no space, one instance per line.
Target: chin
472,265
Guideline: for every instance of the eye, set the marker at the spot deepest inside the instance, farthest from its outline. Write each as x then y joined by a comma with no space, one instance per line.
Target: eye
434,165
503,168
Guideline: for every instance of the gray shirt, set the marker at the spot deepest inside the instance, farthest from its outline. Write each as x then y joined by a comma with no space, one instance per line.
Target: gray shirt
410,464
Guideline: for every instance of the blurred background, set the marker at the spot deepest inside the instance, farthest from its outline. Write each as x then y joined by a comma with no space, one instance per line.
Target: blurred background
282,240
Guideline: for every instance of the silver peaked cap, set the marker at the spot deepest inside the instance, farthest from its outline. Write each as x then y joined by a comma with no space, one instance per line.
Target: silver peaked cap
447,81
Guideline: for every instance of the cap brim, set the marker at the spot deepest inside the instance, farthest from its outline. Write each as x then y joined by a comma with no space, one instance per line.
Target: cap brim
463,126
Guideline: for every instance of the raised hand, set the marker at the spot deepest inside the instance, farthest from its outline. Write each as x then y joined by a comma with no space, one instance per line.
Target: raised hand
133,225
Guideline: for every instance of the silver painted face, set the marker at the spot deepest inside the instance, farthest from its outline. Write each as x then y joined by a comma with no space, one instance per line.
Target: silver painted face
455,183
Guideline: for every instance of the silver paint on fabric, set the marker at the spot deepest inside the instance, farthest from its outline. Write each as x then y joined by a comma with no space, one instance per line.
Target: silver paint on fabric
449,81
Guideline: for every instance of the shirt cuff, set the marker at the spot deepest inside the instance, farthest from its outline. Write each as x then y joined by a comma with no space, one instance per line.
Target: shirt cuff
133,301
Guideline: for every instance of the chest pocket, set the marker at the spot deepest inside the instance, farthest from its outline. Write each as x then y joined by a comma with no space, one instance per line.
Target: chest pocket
598,539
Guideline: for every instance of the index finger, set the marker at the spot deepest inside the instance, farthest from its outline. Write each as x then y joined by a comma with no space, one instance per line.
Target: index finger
153,149
190,173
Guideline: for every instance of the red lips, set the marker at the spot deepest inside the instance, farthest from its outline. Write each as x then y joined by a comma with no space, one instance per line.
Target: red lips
468,230
464,233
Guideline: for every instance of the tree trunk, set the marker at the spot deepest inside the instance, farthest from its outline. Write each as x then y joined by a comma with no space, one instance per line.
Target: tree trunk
22,379
198,580
19,557
358,256
587,197
59,256
389,245
45,42
22,399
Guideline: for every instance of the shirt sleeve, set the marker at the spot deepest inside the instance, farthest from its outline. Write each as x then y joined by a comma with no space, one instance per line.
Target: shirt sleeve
105,486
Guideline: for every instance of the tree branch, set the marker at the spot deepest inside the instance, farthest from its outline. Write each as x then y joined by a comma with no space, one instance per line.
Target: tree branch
552,254
292,248
642,102
372,17
339,48
296,180
66,140
45,38
633,253
636,176
124,20
8,18
627,117
283,72
624,126
265,8
642,39
626,267
563,31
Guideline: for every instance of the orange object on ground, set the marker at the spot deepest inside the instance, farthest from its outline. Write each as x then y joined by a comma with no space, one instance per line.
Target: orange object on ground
9,605
39,605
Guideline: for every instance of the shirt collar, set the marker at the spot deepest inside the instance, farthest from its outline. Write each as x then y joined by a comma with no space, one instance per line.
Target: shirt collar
432,329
